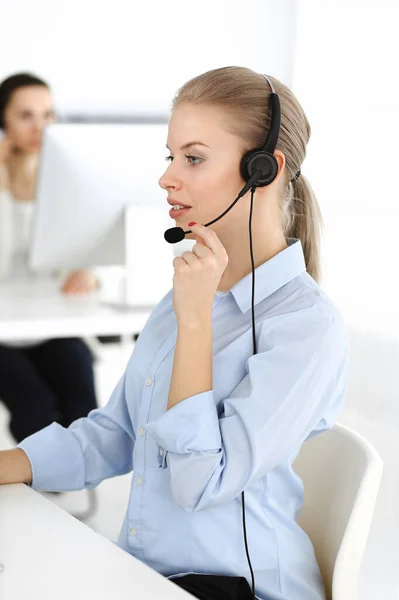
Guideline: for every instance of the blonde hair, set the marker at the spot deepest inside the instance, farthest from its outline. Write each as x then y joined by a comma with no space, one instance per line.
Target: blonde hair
245,94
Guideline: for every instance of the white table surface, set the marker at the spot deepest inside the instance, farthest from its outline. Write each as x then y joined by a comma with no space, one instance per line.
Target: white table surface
33,309
47,554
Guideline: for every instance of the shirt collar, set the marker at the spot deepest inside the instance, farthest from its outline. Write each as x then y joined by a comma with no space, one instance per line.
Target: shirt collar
271,275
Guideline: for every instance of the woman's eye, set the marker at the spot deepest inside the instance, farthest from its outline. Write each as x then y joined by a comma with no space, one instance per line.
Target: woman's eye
193,160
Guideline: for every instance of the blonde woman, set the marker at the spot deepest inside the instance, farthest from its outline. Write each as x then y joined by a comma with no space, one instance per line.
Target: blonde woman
196,414
45,380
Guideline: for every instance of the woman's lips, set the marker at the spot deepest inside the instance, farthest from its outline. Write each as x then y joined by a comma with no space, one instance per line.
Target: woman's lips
176,213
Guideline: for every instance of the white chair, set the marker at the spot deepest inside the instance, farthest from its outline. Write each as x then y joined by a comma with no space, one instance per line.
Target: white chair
341,473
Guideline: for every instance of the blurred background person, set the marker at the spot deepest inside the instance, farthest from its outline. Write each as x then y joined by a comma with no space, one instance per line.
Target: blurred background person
44,380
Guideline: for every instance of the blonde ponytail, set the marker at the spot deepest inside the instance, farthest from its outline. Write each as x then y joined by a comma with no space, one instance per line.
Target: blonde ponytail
303,220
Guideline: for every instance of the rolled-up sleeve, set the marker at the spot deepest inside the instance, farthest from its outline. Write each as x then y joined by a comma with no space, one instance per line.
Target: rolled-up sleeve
91,449
190,426
297,379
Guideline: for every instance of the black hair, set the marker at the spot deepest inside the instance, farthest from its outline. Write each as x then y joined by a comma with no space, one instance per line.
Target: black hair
13,83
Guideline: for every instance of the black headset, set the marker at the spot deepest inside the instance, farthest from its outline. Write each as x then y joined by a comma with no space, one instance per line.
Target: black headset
259,168
264,160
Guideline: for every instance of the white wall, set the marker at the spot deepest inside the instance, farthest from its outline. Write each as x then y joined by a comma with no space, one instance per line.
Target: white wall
345,77
127,56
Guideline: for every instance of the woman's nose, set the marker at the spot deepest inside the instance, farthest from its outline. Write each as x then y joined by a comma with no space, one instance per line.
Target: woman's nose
170,180
38,125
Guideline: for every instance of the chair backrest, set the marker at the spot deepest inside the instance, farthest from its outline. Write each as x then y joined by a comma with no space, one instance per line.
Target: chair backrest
341,473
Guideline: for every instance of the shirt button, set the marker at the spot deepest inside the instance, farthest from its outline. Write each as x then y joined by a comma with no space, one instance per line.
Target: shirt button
139,480
133,531
148,382
141,432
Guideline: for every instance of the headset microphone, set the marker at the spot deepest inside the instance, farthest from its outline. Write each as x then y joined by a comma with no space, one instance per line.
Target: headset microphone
177,234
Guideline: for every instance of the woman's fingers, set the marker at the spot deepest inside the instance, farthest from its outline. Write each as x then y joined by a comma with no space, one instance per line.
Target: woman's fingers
209,237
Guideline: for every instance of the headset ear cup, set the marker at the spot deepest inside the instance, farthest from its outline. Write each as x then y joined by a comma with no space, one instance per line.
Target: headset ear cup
262,161
244,165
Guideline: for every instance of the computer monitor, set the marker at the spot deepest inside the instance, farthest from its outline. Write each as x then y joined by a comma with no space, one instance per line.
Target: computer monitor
89,175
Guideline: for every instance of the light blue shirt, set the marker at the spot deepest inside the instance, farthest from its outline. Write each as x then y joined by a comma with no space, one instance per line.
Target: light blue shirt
192,462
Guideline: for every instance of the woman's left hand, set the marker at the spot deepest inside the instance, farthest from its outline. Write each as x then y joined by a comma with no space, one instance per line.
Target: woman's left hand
80,282
197,276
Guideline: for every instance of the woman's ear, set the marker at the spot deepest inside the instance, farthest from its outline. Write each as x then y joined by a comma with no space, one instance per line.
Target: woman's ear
281,163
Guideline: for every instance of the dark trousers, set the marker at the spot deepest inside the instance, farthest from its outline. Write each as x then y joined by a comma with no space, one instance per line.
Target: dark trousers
52,381
215,587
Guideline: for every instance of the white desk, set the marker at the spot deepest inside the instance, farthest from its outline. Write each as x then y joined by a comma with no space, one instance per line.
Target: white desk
47,554
36,309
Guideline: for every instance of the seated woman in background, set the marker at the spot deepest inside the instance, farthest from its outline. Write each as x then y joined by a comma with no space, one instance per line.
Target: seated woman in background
47,380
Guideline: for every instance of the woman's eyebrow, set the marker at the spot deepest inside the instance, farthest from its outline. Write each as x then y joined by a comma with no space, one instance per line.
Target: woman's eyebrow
189,144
